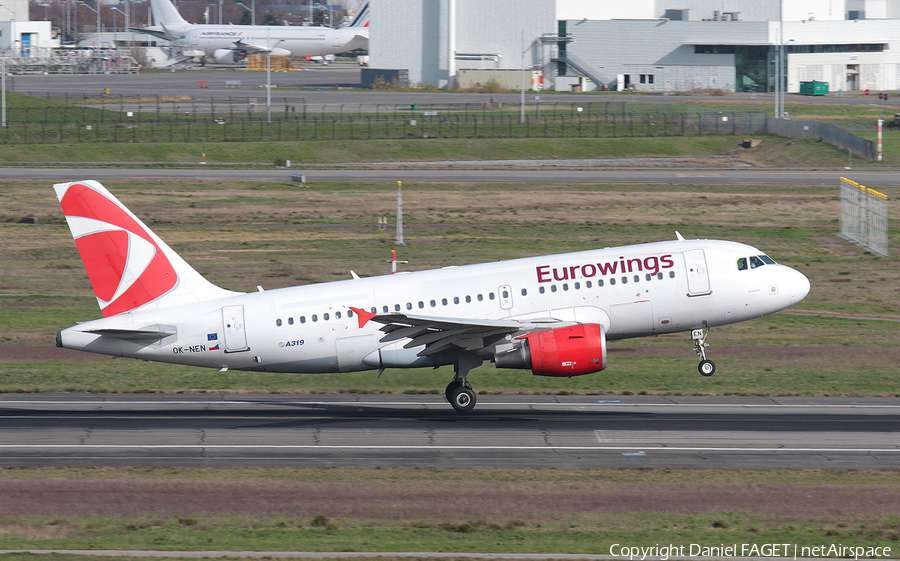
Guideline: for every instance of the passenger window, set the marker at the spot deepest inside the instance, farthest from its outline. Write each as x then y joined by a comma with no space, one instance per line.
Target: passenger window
612,282
599,283
480,298
505,294
456,299
315,317
553,288
278,322
421,304
637,278
565,286
577,285
671,274
541,290
396,307
302,319
587,284
624,280
756,262
659,276
337,315
524,292
742,264
443,301
409,305
325,317
468,299
433,303
290,321
491,295
385,308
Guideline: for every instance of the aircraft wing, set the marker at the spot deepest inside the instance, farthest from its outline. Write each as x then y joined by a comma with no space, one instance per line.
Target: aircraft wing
438,333
251,49
155,31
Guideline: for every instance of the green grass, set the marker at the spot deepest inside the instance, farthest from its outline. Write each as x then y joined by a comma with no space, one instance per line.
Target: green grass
583,529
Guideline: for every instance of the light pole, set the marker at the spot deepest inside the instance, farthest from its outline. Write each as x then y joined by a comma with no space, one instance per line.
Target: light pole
97,10
115,32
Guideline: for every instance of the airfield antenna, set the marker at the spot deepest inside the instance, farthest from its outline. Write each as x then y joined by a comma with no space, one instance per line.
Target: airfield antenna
400,213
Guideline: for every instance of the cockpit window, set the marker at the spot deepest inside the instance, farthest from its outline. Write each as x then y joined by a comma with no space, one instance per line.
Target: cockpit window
756,262
742,264
767,260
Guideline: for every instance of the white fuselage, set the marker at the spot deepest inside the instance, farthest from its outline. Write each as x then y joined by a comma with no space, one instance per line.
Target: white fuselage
300,41
633,291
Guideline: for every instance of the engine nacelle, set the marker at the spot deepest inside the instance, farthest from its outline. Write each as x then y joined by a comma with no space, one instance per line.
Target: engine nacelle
566,351
228,56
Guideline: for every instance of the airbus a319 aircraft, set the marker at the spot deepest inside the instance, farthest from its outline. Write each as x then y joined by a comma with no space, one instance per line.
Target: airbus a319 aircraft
551,314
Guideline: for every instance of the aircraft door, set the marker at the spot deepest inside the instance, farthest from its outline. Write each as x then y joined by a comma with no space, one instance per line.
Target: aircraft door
505,294
233,327
697,273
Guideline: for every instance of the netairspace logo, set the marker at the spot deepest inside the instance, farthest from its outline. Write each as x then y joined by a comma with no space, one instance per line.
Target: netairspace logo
784,550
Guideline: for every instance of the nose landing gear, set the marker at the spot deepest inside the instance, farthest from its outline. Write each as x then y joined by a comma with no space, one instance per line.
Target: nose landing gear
706,367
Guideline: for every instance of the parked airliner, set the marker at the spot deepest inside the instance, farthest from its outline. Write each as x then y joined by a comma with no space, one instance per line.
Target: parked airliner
229,44
551,314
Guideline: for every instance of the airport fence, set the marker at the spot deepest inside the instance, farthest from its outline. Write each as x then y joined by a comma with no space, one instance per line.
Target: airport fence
160,121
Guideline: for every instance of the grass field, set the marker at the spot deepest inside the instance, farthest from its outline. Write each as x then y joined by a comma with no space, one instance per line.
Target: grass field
403,509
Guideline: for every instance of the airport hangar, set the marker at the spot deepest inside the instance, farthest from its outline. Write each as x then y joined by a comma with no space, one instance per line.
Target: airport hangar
647,45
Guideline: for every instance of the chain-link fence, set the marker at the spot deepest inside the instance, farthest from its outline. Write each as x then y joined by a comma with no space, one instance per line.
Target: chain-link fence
243,119
816,130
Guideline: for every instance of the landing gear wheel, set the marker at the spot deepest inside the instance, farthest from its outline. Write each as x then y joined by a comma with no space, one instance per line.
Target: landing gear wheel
450,387
461,398
707,367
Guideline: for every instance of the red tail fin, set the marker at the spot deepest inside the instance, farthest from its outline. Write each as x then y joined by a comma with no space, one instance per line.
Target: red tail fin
129,266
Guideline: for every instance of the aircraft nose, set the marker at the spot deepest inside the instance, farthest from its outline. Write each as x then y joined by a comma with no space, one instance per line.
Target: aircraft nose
799,286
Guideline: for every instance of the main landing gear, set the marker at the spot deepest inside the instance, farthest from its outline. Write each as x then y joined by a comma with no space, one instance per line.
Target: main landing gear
459,393
706,367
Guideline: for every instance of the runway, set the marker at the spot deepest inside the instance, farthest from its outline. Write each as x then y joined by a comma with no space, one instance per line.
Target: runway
503,431
459,174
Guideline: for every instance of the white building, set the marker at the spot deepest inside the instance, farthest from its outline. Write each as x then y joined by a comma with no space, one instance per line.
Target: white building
32,39
651,45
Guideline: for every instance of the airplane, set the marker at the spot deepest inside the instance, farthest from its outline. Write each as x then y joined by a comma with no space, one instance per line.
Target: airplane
230,44
550,314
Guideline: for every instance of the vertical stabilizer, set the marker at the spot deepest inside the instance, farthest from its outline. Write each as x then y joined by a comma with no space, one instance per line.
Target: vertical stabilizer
166,14
362,17
129,266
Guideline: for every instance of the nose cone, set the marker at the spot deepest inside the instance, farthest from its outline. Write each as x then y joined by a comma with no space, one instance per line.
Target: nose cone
799,286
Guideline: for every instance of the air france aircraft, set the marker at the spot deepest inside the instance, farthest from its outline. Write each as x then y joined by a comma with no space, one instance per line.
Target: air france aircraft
551,314
229,44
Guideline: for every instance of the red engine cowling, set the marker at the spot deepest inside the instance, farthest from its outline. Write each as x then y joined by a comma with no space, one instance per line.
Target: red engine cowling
566,351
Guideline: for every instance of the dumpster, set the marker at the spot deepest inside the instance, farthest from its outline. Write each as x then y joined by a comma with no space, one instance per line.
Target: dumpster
813,87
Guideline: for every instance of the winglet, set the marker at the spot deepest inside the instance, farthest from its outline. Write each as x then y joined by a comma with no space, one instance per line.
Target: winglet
363,316
680,237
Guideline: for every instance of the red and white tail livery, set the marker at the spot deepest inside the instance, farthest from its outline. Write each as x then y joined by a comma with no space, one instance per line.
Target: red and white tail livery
552,315
129,266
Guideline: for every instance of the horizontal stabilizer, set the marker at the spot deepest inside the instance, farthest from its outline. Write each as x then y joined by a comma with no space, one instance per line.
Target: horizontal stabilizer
133,334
